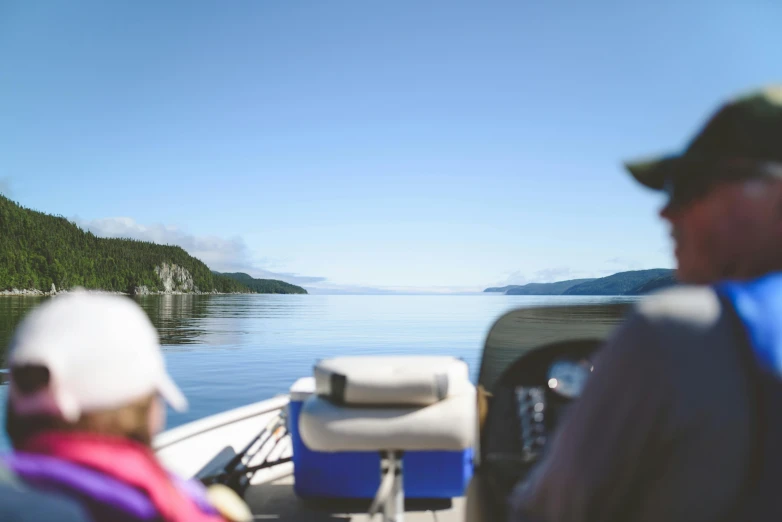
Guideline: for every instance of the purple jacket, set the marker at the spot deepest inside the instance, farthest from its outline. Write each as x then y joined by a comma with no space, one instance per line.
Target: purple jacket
106,498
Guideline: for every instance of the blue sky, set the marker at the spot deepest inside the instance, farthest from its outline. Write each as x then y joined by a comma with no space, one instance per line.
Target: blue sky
404,146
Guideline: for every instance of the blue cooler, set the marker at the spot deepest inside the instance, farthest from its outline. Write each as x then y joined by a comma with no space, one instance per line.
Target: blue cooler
342,473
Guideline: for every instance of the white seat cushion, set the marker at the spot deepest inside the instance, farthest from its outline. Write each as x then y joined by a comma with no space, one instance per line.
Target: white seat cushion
448,425
380,380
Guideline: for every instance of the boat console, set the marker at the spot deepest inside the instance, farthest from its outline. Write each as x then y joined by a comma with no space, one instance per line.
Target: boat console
536,363
529,402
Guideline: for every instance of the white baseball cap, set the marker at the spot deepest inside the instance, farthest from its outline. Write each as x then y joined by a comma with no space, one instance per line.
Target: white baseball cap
102,352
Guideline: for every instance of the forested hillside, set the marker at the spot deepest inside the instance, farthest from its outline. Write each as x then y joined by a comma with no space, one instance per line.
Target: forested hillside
633,282
38,250
545,288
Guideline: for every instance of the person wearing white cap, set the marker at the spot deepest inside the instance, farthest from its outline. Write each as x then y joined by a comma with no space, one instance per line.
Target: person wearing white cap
87,379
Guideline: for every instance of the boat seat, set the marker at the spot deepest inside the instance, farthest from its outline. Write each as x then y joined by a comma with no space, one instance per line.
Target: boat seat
382,381
390,405
379,403
448,425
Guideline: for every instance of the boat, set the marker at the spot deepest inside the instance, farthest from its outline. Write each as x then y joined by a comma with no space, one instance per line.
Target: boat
251,449
299,456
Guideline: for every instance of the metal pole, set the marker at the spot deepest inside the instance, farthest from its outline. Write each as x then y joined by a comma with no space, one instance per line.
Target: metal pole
399,491
391,493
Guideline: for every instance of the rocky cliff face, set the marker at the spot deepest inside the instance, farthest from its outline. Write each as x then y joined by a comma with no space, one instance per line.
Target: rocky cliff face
175,279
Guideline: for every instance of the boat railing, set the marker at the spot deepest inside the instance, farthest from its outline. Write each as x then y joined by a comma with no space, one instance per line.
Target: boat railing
218,420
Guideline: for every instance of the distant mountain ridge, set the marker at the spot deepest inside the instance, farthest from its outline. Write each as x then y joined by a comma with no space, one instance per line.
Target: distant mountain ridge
546,288
263,286
635,282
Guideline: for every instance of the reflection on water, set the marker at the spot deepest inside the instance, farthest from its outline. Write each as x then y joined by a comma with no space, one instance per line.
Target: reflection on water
12,309
177,317
229,350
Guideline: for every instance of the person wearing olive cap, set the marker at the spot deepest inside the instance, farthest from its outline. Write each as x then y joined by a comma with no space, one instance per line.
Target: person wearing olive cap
87,386
680,418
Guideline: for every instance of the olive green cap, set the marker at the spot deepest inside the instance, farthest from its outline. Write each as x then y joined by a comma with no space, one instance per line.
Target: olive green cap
746,130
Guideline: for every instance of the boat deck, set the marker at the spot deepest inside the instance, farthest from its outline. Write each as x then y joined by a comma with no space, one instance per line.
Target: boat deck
273,498
188,451
277,501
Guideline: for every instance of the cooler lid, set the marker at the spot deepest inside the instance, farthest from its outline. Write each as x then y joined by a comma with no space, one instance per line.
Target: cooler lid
302,389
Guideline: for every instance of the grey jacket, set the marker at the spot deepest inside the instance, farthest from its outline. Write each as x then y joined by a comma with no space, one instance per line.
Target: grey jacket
19,503
661,431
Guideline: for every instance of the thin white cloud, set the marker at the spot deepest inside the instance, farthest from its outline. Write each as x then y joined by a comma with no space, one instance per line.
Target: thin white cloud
564,273
233,255
336,289
5,187
282,276
514,278
625,262
546,275
561,273
444,290
219,253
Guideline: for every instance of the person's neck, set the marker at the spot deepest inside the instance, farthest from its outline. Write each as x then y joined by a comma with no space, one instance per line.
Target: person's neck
747,270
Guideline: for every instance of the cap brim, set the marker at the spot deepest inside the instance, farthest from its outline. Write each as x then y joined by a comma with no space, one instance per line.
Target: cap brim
652,173
171,393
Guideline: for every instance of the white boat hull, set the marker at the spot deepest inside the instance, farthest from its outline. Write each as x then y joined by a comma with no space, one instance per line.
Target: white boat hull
187,449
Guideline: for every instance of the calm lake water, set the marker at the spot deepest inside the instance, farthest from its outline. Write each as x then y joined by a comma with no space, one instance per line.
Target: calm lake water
230,350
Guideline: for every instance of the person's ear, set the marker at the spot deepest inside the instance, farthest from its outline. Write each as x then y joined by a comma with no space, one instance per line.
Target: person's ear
157,417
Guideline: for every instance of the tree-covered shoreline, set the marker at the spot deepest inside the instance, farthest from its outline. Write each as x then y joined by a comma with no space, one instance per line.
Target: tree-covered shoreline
38,250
